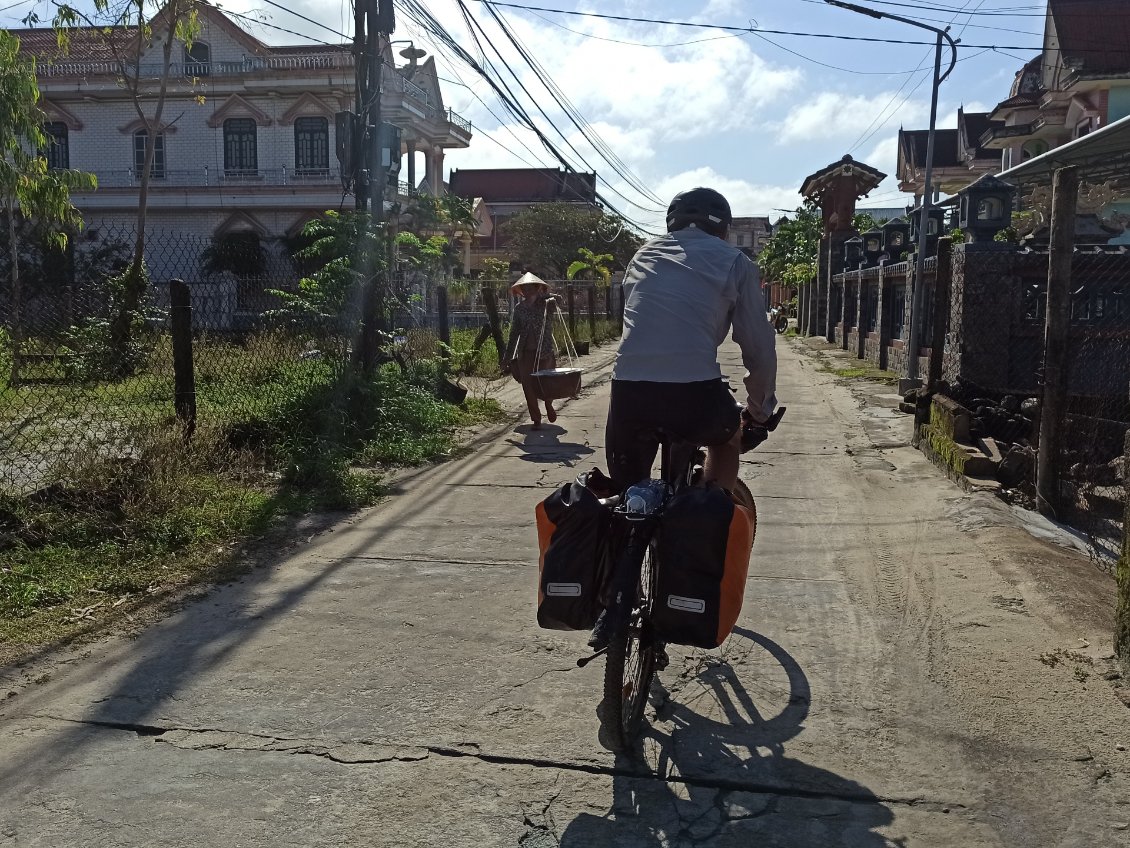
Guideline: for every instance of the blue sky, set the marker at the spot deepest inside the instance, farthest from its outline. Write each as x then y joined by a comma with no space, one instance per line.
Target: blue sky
739,112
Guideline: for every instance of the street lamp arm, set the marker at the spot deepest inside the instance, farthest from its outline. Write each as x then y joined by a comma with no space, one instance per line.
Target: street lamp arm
873,13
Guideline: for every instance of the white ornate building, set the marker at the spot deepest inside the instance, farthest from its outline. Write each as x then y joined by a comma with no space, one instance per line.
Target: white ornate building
247,141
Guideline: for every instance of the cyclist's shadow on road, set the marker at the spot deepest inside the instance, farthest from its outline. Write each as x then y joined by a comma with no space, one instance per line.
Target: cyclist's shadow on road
545,445
728,779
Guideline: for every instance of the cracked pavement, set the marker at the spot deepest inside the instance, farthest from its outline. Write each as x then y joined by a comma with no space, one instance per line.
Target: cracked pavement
385,684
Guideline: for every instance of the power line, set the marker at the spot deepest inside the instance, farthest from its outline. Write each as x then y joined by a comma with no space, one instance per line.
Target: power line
537,105
427,22
308,20
865,136
578,120
751,29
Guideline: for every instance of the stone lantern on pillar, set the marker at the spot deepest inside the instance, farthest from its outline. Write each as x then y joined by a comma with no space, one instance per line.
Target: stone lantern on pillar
935,222
872,247
985,207
896,239
836,188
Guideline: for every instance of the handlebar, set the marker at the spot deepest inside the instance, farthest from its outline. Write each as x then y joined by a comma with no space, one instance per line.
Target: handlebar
754,434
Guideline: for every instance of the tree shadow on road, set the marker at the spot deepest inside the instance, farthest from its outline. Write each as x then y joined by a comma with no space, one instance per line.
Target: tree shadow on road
719,774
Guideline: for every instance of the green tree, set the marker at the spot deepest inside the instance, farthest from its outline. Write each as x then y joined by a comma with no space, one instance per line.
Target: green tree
27,187
546,237
126,31
344,255
790,256
496,270
595,264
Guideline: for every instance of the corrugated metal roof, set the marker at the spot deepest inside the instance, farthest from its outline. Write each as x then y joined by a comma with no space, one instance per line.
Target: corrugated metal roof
1102,154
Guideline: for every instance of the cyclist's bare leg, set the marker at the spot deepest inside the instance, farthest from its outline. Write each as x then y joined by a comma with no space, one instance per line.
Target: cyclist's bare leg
723,462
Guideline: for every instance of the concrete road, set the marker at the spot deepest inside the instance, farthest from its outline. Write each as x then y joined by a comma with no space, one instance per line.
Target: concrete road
911,669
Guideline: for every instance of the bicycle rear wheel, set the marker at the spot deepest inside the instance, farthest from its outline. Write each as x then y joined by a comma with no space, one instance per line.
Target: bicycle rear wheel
744,496
630,666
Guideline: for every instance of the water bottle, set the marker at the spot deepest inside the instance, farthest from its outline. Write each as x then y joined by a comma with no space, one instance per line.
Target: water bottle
645,498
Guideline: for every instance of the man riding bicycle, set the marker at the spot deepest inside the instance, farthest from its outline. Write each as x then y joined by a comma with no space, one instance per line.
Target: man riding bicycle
683,292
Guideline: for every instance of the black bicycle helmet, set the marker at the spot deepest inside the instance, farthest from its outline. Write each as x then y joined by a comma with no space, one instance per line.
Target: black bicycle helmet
703,207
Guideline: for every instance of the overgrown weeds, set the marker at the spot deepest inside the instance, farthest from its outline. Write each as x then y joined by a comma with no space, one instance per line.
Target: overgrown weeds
304,437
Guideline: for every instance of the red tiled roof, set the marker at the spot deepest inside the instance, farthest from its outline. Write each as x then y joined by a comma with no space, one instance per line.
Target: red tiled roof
520,185
87,43
1093,33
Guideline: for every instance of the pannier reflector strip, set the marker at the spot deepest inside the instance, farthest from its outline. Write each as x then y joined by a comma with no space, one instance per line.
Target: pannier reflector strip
563,590
678,602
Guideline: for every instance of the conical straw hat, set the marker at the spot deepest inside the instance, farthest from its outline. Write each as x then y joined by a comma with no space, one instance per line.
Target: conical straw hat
528,279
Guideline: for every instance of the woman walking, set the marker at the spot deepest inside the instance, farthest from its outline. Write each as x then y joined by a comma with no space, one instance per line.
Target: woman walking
531,347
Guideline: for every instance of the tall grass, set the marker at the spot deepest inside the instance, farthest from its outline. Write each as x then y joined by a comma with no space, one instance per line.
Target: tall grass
280,433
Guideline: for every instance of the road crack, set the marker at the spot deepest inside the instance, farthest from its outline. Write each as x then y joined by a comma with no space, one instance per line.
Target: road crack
374,752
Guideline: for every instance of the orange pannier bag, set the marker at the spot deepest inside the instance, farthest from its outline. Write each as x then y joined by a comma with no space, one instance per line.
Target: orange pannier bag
703,547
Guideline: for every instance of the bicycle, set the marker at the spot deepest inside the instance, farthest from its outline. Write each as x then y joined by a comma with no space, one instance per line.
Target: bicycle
635,653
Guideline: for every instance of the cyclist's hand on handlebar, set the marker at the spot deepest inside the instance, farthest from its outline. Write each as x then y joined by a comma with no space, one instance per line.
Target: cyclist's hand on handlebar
754,432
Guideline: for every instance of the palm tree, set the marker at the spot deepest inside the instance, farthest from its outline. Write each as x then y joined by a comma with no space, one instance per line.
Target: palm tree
591,263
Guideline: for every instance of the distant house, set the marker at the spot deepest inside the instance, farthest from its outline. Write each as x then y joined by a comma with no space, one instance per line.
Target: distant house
750,234
501,193
959,157
247,144
1079,83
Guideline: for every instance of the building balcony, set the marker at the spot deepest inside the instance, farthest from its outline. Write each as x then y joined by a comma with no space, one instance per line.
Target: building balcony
393,81
243,67
206,177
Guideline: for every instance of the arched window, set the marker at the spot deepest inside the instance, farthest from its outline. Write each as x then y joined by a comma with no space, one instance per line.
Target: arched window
57,152
241,154
197,59
158,170
311,145
1033,148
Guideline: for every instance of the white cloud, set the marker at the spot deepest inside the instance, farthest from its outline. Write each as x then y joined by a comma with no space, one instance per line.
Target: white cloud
884,155
835,115
746,198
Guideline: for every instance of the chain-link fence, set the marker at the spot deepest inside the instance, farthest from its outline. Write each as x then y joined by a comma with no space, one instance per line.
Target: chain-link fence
996,366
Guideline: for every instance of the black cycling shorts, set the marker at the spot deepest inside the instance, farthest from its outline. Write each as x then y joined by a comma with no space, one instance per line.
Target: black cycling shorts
705,413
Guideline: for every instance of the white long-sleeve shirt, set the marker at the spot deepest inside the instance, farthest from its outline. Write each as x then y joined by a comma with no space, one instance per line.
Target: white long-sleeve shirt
683,291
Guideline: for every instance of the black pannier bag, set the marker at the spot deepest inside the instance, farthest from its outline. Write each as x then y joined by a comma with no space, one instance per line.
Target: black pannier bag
702,546
572,537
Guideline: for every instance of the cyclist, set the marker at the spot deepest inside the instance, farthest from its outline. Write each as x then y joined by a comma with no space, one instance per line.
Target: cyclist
683,292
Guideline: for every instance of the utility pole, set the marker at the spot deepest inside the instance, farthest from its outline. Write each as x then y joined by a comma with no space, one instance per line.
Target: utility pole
917,288
372,20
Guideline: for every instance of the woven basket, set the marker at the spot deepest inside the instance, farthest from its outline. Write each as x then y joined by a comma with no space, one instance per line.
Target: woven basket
557,383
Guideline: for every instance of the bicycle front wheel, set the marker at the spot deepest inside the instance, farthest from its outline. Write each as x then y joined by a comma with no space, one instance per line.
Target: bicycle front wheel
630,666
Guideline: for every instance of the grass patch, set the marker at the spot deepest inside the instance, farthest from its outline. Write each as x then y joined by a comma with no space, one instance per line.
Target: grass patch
865,373
279,435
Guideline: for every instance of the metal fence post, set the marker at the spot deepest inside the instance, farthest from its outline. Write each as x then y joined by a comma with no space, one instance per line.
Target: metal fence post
1065,194
572,307
184,381
444,321
592,313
